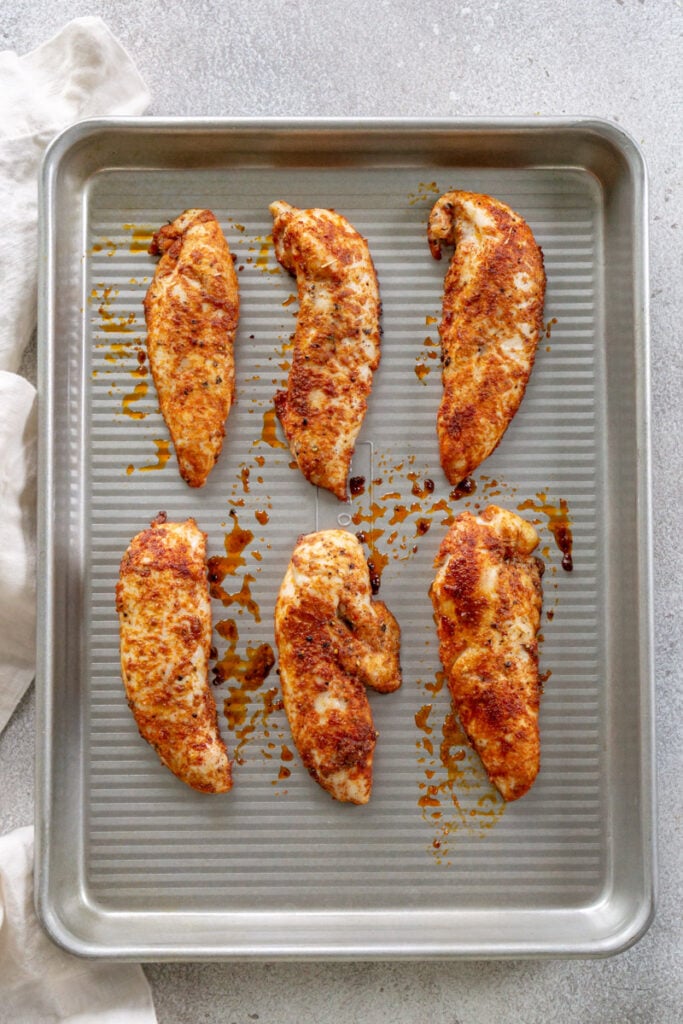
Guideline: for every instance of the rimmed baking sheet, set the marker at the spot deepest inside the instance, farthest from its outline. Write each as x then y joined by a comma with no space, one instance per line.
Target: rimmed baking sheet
133,864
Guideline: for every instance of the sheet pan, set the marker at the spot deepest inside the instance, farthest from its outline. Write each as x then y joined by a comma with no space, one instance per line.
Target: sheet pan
132,864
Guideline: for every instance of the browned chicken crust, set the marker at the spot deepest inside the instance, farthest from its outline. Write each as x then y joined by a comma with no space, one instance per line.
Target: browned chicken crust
192,309
333,641
491,322
487,600
336,343
162,599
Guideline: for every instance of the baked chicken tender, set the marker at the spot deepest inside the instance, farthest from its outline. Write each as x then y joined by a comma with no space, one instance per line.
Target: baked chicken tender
336,342
487,600
192,310
333,641
491,322
162,599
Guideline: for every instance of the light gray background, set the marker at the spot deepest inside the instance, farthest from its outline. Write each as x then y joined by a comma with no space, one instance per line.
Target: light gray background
619,59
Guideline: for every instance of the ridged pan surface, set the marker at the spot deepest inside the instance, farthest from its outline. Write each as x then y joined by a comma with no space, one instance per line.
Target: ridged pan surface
436,836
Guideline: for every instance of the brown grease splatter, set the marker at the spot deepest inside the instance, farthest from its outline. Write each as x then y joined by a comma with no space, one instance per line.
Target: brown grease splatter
401,512
422,718
437,685
268,434
465,487
426,190
442,506
119,325
118,350
249,673
375,512
262,258
377,560
248,707
163,455
234,542
377,563
261,261
455,793
242,597
111,246
418,489
138,392
142,236
559,524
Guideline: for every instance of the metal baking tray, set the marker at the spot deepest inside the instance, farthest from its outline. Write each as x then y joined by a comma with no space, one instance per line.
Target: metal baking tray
130,862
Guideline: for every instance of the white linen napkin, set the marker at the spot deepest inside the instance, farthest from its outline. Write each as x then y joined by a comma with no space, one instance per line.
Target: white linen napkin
83,71
17,551
40,983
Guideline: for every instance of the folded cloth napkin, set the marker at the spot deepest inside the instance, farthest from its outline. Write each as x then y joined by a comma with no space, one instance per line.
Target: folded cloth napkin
17,560
82,72
40,983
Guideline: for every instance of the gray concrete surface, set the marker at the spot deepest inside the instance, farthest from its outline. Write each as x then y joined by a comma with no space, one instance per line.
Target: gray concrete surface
619,59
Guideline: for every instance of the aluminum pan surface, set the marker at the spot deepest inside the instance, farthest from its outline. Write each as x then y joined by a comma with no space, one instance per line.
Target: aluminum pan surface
131,863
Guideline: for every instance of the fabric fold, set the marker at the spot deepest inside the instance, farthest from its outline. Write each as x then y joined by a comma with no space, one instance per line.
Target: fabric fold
42,984
82,72
17,553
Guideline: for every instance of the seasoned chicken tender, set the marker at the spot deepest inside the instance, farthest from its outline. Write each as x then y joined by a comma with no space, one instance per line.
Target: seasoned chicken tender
162,599
192,309
487,601
333,641
336,343
492,320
